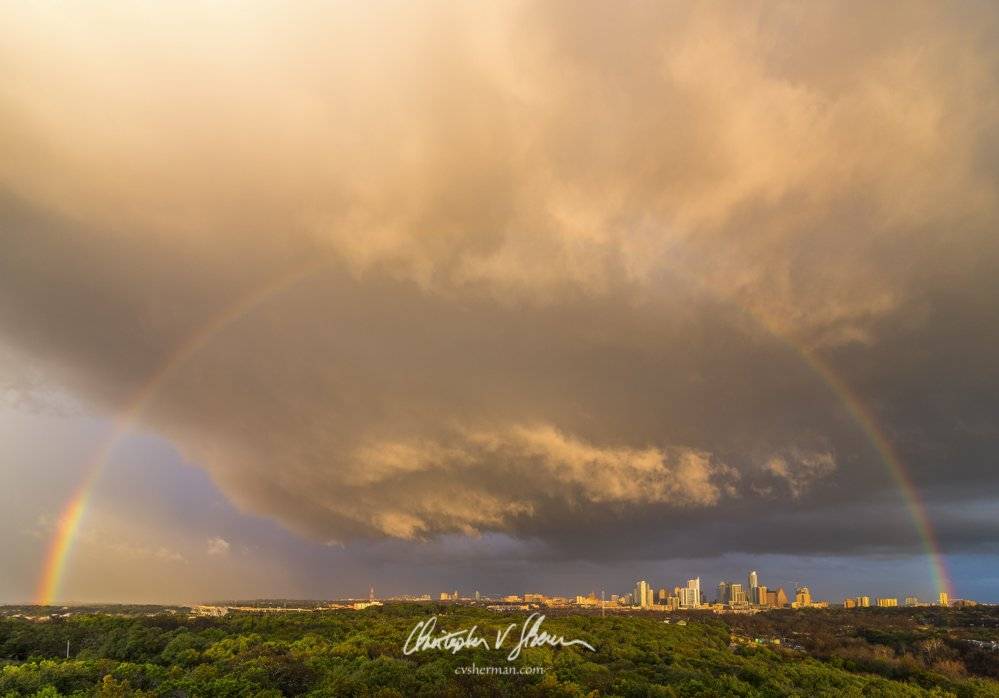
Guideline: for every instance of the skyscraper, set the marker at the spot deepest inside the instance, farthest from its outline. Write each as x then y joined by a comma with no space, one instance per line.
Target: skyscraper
737,596
643,594
761,596
690,596
754,582
779,599
722,592
944,599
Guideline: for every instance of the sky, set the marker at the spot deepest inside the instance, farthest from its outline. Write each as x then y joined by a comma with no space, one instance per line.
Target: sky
548,297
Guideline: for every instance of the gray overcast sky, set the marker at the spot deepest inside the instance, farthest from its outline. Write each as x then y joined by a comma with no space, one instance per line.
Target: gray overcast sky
548,295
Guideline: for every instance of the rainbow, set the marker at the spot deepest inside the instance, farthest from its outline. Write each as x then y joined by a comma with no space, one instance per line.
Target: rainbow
863,417
73,512
68,524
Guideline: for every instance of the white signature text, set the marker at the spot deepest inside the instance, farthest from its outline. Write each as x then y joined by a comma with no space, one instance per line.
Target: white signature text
424,636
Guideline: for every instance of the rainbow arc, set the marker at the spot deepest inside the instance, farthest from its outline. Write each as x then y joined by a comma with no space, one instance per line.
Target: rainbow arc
68,525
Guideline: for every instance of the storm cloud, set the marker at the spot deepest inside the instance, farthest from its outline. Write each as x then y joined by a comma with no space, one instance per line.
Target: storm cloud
536,269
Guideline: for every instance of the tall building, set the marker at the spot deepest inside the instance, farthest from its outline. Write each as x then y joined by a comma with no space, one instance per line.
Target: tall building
777,599
754,581
761,596
722,592
803,597
690,596
643,594
887,603
737,596
663,595
944,599
477,597
911,600
864,601
849,603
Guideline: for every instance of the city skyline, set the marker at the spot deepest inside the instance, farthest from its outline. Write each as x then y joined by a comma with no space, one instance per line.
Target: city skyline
297,299
692,596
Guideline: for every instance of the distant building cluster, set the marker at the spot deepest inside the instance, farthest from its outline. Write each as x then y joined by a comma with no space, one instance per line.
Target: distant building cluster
910,601
731,597
751,597
734,596
645,596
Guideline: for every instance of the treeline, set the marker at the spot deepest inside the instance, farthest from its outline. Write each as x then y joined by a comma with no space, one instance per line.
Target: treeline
359,653
900,643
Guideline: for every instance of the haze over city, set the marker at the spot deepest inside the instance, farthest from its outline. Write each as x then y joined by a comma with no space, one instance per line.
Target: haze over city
297,300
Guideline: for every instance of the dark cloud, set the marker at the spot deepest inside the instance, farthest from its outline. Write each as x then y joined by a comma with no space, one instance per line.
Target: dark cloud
552,275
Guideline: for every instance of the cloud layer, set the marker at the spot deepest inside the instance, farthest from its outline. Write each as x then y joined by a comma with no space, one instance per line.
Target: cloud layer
457,270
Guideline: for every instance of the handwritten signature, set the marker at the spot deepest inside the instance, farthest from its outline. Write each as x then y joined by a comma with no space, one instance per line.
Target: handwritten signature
423,637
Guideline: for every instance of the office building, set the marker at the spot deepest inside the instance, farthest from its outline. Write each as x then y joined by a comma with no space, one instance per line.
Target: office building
723,592
887,603
803,597
944,599
782,600
643,594
737,595
690,596
761,596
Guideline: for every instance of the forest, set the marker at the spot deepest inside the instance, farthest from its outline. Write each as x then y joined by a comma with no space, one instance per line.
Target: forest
169,652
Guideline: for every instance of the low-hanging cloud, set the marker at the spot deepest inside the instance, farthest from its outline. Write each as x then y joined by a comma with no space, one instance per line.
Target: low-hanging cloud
525,261
510,473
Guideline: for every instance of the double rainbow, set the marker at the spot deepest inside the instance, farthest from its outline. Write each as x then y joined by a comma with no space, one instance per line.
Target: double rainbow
68,525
